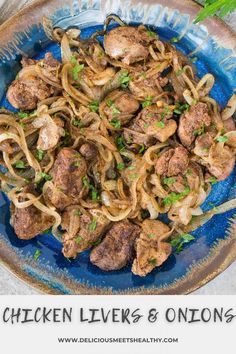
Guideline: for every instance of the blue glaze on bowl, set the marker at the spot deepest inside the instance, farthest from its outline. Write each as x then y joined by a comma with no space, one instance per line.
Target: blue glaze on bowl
51,266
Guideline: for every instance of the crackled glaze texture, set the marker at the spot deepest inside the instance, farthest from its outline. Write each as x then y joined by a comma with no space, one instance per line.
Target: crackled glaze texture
215,245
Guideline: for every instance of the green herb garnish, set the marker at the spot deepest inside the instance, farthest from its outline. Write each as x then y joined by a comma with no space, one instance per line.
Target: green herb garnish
144,214
151,235
22,115
181,108
169,181
142,148
120,142
46,176
160,124
76,70
151,33
194,59
152,261
93,225
94,194
180,72
116,123
199,131
134,176
20,165
109,102
94,106
222,139
180,240
77,213
120,166
37,254
174,40
78,239
40,155
174,197
147,102
124,79
85,181
213,180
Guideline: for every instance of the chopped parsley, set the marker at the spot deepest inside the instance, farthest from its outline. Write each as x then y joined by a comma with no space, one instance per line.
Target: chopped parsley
174,40
222,139
22,115
142,149
131,168
169,181
78,239
189,172
165,112
37,254
94,106
115,110
93,225
152,261
45,176
134,176
109,102
120,166
77,123
213,180
86,181
94,194
20,165
116,123
180,72
130,139
147,102
77,68
151,235
174,197
180,240
144,214
40,155
77,213
181,108
160,124
77,164
124,79
47,231
120,142
96,243
193,60
151,33
199,131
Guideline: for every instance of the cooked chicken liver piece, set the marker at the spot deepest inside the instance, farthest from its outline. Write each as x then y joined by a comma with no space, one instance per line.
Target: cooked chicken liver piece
173,162
153,123
191,122
130,44
150,251
29,222
89,151
86,231
116,250
123,107
24,93
67,172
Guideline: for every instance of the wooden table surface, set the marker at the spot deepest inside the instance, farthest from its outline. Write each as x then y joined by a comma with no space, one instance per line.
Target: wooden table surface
224,284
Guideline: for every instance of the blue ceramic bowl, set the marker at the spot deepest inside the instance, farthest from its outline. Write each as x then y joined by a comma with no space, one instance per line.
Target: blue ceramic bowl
215,245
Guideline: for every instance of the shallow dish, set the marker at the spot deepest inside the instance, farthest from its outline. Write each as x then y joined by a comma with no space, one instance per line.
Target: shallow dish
215,247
